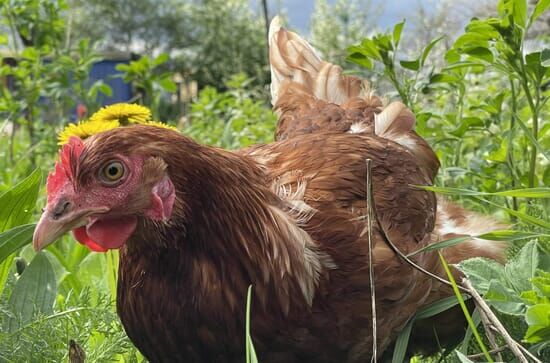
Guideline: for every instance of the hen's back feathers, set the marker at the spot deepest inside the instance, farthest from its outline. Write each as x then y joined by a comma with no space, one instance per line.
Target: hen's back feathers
311,95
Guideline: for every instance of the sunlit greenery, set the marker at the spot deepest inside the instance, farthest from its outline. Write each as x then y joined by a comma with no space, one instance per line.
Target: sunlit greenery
481,100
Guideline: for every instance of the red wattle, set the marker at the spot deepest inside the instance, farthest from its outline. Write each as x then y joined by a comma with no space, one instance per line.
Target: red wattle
105,234
81,236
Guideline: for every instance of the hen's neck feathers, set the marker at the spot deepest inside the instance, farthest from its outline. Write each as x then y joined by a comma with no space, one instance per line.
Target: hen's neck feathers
226,214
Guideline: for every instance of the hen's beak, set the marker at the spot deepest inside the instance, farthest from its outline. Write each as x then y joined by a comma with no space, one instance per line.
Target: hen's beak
60,219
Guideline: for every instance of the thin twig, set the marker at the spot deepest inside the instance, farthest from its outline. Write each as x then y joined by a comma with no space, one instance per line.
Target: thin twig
528,353
494,351
407,259
489,332
496,324
370,212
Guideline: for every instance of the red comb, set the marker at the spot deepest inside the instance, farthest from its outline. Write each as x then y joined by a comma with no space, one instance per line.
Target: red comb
64,168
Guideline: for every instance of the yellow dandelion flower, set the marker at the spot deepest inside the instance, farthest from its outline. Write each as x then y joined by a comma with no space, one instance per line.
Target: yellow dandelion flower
124,113
161,124
85,129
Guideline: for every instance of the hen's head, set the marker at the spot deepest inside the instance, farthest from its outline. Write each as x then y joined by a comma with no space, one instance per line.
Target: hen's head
101,188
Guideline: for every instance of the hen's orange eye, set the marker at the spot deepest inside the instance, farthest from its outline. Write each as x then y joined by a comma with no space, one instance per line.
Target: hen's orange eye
112,172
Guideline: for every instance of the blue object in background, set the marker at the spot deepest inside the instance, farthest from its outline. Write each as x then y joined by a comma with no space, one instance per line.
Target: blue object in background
106,70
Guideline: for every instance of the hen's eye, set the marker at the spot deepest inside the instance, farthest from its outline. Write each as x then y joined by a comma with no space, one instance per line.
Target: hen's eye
112,172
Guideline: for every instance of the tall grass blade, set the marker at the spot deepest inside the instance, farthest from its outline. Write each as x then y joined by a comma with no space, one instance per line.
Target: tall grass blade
540,193
249,346
465,310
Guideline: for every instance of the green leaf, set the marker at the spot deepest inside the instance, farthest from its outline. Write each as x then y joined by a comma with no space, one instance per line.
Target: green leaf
466,124
523,267
531,138
480,53
400,348
545,56
481,272
443,78
538,319
428,49
437,307
161,59
19,202
520,193
520,12
168,85
397,29
441,244
105,89
504,299
34,292
413,65
370,49
462,358
360,59
509,235
15,238
540,8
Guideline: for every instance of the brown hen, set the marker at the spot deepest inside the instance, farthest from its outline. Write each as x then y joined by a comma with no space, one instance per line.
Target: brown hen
197,225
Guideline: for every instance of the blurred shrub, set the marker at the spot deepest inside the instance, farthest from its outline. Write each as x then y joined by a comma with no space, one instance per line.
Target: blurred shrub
231,119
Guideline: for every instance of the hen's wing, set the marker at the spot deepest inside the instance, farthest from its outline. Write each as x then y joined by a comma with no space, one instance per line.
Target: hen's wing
322,178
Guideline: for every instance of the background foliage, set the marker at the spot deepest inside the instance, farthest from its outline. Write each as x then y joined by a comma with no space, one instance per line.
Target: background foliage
479,88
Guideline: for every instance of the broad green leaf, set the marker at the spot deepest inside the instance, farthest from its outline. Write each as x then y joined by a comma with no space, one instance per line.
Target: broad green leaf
520,12
523,267
504,299
481,272
360,59
538,318
545,56
370,49
540,8
19,202
541,282
168,85
413,65
480,53
465,125
443,78
397,29
5,267
34,292
160,59
14,239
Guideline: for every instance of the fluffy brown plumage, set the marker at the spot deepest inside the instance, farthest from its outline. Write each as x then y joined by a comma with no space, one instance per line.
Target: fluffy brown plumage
287,218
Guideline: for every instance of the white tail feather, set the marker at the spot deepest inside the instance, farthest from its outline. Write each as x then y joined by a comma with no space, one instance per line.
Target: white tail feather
293,59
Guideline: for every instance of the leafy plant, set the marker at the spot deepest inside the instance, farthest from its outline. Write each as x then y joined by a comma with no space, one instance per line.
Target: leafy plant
148,78
231,119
